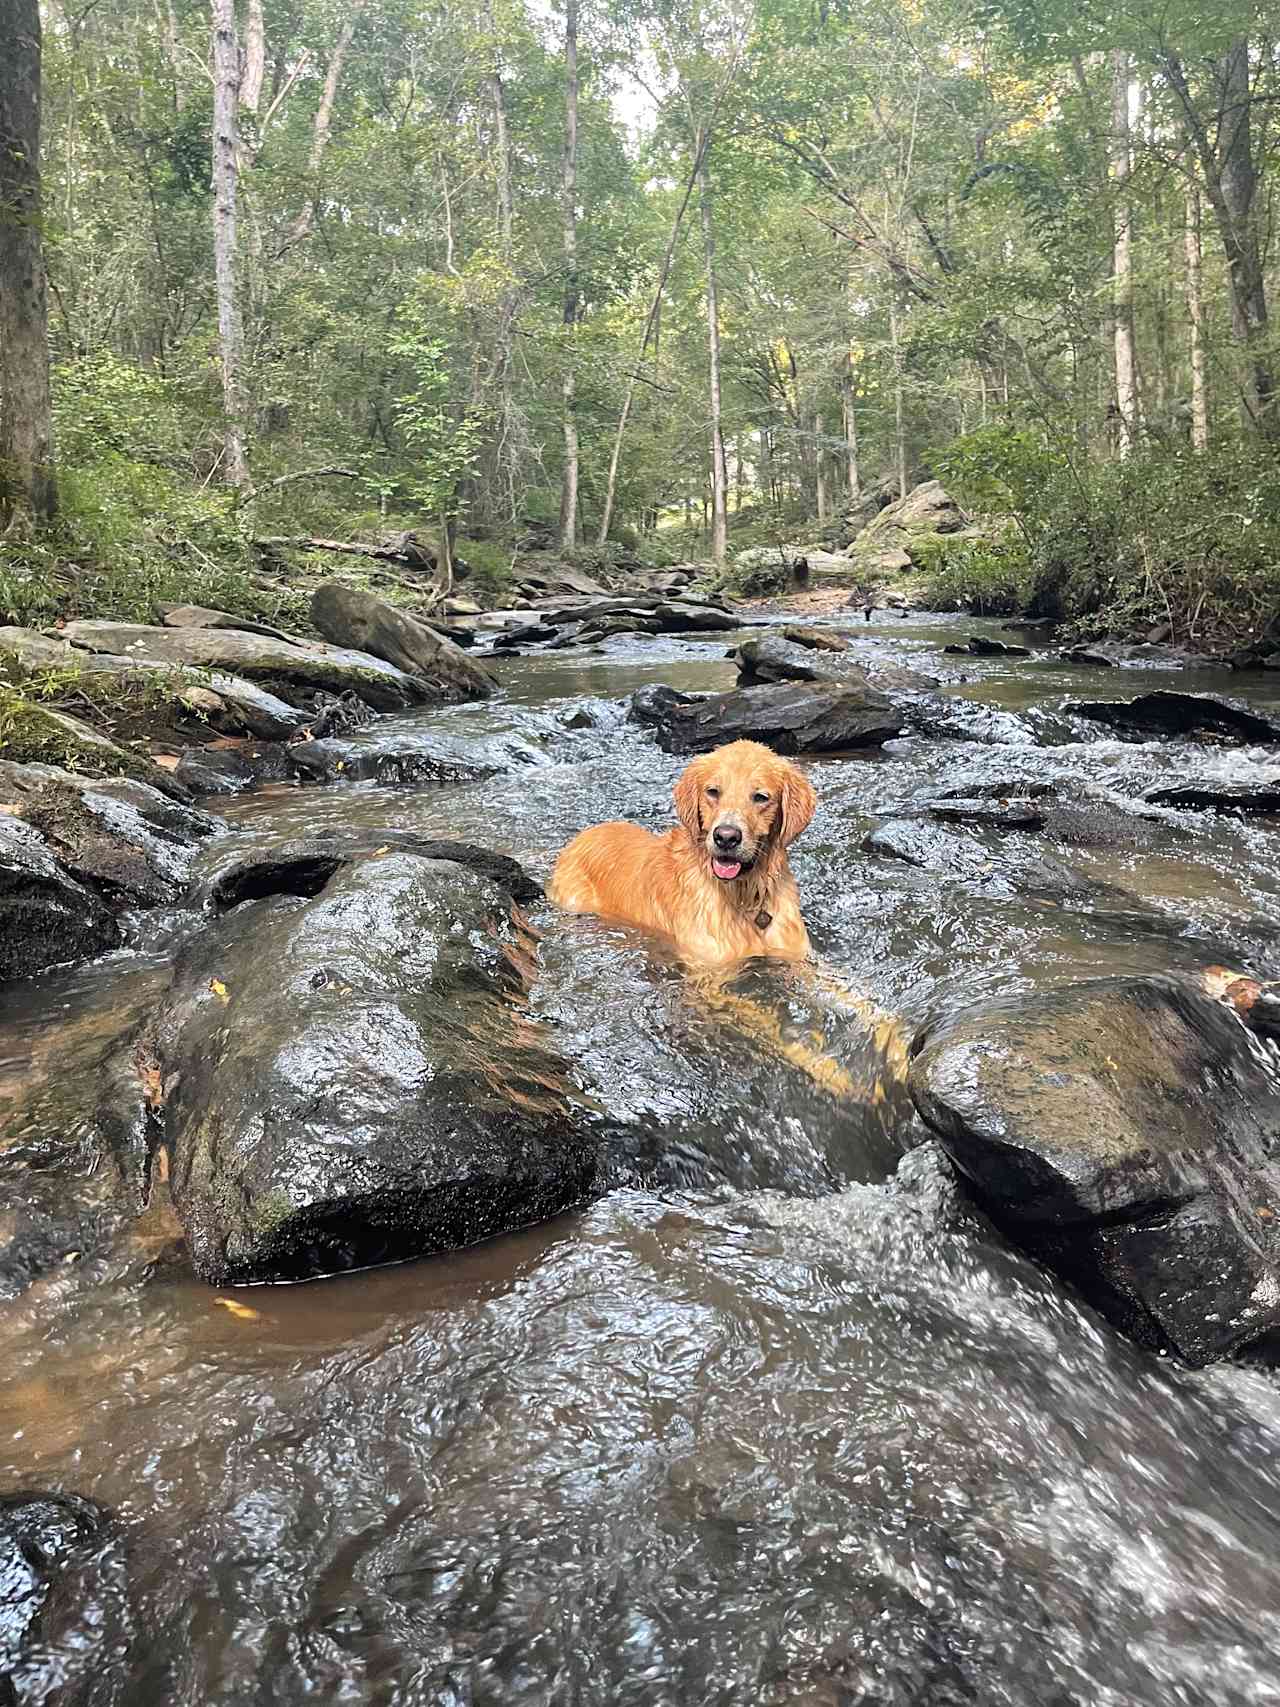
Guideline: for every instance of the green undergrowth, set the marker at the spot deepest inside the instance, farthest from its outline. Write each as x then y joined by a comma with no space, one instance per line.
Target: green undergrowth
1168,537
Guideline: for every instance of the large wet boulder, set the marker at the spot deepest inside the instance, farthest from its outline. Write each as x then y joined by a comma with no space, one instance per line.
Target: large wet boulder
351,617
46,916
295,669
353,1076
1126,1131
1167,714
790,717
773,658
65,1621
886,544
73,850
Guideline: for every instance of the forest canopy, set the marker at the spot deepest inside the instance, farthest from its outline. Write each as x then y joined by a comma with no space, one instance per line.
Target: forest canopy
644,273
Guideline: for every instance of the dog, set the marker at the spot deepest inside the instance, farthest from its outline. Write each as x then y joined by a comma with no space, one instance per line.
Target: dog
719,887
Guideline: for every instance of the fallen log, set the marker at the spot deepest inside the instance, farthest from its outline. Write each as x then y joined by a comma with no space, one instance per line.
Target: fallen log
405,549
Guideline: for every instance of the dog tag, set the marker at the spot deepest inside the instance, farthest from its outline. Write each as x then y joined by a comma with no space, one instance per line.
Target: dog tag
763,919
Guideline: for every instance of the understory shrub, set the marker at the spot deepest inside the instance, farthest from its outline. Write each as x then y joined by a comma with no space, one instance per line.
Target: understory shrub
1166,537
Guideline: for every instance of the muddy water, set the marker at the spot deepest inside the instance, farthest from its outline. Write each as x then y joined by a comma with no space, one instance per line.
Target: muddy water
756,1428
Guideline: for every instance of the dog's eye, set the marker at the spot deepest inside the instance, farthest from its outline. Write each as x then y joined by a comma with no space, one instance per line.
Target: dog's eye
760,799
713,794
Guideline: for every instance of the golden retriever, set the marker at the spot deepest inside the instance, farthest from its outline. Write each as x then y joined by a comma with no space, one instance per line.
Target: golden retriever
719,886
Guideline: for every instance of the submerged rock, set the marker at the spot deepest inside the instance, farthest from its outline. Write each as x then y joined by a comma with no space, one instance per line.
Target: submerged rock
1124,1130
1168,713
355,1078
350,617
790,717
941,715
65,1623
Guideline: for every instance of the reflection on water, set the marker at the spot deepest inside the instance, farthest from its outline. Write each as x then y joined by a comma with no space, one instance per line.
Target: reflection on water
755,1429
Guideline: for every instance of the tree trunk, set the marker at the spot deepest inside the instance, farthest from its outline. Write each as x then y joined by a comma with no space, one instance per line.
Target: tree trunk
899,415
1122,258
26,430
853,479
255,58
719,480
226,96
323,123
1195,322
1230,181
569,214
650,334
509,436
820,467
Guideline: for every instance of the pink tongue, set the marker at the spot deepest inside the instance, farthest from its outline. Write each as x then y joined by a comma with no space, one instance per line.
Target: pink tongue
726,868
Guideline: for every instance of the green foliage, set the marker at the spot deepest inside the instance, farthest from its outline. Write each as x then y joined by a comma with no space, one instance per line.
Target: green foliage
1000,469
991,577
1162,537
443,439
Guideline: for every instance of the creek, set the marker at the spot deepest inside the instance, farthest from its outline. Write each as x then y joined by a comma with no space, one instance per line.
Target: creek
765,1424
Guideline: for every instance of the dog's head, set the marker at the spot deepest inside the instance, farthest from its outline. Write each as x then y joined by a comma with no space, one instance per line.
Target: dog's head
739,803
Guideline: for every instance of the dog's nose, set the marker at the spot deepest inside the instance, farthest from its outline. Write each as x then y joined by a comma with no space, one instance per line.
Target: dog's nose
726,837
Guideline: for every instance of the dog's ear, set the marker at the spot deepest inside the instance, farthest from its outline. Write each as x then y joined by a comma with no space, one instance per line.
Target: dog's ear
687,795
799,803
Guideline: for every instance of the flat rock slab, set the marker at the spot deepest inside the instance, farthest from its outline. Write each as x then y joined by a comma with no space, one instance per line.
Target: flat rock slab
771,658
201,616
1167,714
289,668
1127,1130
353,1076
790,717
230,703
817,639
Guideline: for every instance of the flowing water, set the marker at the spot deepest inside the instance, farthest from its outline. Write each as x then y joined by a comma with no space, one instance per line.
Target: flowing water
764,1425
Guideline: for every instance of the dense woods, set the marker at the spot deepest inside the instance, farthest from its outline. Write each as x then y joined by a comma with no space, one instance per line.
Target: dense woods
678,277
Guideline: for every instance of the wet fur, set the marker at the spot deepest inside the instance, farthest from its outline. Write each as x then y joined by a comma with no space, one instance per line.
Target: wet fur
665,883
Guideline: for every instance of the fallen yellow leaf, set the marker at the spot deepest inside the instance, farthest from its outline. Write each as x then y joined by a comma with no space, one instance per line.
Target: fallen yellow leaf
240,1311
219,989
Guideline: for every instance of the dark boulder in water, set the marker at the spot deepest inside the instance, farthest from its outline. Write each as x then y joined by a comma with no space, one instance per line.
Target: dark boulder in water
1170,714
1125,1130
354,1078
978,646
1231,798
790,717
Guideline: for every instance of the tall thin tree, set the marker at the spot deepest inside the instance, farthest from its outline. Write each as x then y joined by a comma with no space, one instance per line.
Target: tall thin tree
719,473
572,299
26,433
1126,401
226,171
1195,322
